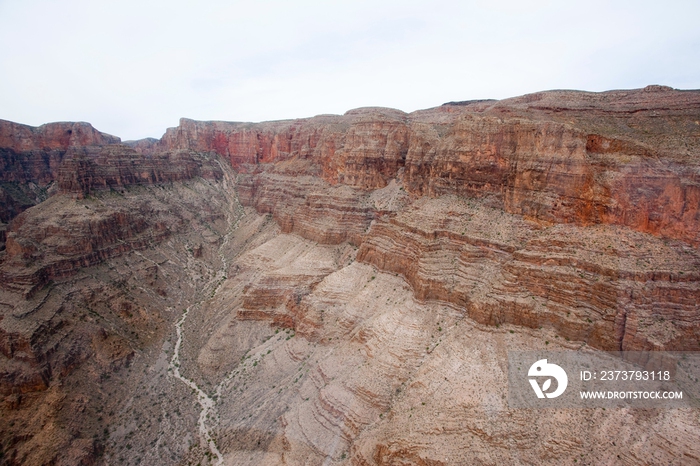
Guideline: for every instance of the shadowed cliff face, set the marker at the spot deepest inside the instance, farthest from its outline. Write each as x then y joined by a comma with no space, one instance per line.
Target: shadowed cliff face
30,158
337,281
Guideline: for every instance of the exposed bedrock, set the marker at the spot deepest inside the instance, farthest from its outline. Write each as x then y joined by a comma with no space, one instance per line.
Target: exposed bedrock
608,286
43,246
309,206
363,148
554,209
371,375
577,211
90,169
558,173
51,136
89,290
30,159
76,158
326,318
620,157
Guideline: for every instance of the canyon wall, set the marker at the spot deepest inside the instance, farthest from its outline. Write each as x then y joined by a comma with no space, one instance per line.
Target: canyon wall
51,136
619,168
515,186
620,158
85,290
569,214
30,158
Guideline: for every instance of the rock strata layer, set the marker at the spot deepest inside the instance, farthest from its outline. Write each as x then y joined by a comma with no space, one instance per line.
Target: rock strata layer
572,210
620,157
30,159
351,283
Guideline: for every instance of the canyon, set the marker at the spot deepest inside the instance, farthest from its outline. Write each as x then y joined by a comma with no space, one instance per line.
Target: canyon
344,289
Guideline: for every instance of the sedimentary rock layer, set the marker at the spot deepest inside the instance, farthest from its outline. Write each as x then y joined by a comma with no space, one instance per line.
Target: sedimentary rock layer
617,167
115,167
359,309
608,286
30,159
41,247
89,290
51,136
620,157
620,168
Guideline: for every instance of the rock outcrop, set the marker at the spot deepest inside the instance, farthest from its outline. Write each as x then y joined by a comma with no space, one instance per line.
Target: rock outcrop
76,159
88,290
610,287
51,136
516,184
620,157
379,260
30,158
117,167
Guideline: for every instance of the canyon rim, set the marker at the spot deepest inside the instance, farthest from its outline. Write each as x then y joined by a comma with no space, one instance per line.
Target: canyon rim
344,289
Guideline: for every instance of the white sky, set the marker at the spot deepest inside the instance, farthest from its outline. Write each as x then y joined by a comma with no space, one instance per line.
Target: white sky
134,67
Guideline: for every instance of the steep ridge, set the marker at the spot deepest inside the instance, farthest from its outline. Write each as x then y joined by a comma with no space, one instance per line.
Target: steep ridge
51,136
360,308
607,286
90,288
31,156
40,248
80,300
327,360
116,167
620,168
620,157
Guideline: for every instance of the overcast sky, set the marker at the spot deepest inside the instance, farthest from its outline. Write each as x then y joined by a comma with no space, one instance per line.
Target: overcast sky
133,67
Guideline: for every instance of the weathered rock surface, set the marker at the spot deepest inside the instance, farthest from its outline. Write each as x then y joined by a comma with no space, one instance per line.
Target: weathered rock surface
30,159
607,286
538,171
51,136
361,372
43,246
359,309
620,157
90,288
116,167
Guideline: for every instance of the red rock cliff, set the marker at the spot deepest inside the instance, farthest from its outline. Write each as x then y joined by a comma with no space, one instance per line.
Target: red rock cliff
30,159
51,136
578,211
559,206
621,157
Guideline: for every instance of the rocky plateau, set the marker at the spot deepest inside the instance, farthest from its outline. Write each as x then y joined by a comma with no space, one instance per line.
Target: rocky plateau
344,289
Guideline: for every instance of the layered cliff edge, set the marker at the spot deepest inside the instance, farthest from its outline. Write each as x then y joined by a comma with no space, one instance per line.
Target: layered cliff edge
569,209
564,216
573,210
620,157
